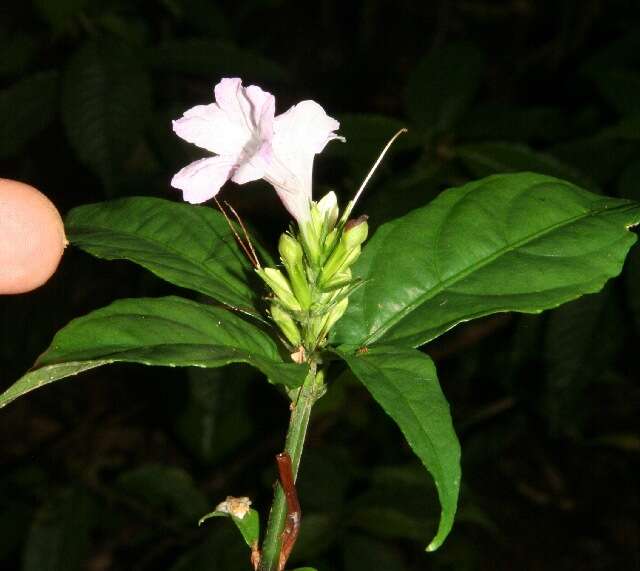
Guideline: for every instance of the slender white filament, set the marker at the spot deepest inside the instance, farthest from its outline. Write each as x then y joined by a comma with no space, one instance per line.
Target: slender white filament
375,166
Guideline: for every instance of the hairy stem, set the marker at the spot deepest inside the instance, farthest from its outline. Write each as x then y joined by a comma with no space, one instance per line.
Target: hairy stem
300,414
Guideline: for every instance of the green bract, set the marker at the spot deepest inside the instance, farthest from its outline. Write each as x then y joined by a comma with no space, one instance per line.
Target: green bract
317,261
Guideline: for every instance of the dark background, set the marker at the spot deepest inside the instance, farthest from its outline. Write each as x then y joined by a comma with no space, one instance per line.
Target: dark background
111,471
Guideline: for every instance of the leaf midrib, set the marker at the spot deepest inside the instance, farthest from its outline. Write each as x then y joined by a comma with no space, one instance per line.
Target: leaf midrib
391,322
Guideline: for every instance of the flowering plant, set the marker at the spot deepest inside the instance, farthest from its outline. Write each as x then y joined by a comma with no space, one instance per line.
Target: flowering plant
518,242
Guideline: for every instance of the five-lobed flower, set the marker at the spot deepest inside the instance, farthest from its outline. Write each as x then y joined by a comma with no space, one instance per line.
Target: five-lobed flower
251,143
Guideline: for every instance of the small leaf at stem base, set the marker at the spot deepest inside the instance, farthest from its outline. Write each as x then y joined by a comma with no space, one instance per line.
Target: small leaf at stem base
249,525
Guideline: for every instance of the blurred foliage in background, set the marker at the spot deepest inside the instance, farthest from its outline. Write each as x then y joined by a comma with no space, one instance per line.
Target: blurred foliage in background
113,473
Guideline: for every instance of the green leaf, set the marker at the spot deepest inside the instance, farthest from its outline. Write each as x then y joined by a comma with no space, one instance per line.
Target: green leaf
203,16
214,59
581,340
249,525
216,417
602,156
484,159
59,537
105,104
621,88
222,548
169,331
628,129
443,85
522,242
26,108
629,187
623,52
318,531
404,382
165,487
503,122
189,246
20,488
363,553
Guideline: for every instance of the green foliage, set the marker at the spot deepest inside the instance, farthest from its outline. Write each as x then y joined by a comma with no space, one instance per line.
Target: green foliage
222,549
26,108
560,386
189,246
365,553
442,86
215,418
215,59
248,525
484,159
522,242
404,382
170,490
504,122
580,338
59,536
106,103
169,331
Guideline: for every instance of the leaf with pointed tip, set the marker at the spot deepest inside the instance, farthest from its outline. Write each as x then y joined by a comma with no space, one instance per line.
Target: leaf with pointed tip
443,85
518,242
169,331
249,525
189,246
214,58
106,101
60,532
405,384
26,108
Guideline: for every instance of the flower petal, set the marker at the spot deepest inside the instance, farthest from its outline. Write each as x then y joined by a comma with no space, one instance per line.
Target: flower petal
305,126
210,128
202,179
253,166
250,106
235,125
299,134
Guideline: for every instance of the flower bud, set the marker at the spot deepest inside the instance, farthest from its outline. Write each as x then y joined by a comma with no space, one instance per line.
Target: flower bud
315,328
347,251
355,232
328,208
336,312
334,264
286,324
279,284
311,241
290,250
291,255
329,242
338,280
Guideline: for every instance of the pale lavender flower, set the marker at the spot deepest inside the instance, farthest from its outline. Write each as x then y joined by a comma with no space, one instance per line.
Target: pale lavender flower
250,143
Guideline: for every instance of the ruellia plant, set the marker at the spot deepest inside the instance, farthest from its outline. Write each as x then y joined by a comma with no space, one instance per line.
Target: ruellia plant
516,242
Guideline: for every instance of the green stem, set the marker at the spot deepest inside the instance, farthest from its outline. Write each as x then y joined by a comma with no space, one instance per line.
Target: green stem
300,414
